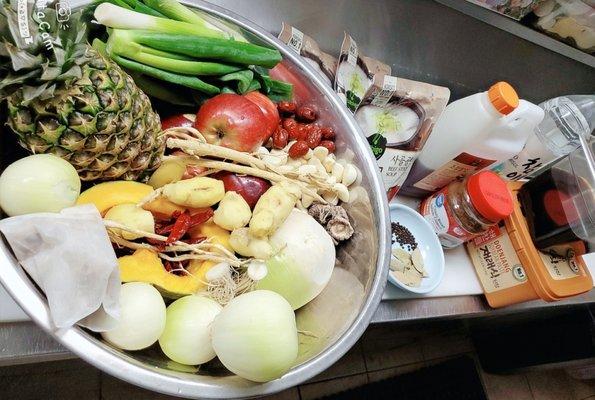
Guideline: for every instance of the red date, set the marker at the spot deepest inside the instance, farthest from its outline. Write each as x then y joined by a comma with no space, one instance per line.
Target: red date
280,138
287,107
291,126
306,113
328,133
330,146
298,149
314,136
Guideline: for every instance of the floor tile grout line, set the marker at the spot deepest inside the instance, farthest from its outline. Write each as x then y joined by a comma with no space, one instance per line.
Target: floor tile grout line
526,378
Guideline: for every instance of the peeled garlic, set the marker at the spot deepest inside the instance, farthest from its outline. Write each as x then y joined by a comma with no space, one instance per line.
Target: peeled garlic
349,175
262,151
308,155
328,162
274,160
319,168
306,201
337,171
331,198
342,192
320,152
331,180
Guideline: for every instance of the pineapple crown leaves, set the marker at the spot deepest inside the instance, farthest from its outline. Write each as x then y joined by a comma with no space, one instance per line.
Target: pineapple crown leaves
37,51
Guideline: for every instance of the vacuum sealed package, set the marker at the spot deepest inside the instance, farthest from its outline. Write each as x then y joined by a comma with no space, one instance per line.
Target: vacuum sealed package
309,49
397,116
355,73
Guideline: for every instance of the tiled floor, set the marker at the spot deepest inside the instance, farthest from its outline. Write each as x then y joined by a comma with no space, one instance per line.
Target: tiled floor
383,351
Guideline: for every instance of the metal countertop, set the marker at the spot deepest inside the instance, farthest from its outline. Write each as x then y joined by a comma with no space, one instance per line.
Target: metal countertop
23,342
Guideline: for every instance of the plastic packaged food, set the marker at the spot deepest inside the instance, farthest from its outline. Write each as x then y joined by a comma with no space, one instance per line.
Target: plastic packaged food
559,203
572,21
511,270
472,134
309,49
465,209
355,73
511,8
397,116
566,118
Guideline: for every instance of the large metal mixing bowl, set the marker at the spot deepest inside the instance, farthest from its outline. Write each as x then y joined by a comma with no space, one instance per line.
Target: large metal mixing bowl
333,322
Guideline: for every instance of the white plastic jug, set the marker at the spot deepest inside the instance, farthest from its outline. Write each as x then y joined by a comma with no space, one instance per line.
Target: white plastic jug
473,133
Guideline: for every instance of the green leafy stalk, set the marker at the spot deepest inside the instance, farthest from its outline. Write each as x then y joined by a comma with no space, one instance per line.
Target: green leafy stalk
225,50
114,16
184,80
244,79
177,11
119,43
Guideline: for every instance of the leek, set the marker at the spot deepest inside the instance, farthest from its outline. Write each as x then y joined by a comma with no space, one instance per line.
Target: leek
114,16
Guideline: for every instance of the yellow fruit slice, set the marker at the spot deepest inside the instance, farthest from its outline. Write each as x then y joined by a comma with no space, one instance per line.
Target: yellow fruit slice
108,194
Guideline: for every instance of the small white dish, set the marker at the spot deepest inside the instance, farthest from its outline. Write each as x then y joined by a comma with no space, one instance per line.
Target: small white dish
427,242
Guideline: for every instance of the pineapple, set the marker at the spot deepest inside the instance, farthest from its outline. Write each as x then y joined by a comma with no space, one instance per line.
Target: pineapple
65,98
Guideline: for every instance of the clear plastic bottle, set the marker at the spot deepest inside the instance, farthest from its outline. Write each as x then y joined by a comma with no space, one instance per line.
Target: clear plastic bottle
566,118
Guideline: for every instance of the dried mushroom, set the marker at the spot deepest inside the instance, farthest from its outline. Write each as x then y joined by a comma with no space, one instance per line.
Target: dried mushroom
334,219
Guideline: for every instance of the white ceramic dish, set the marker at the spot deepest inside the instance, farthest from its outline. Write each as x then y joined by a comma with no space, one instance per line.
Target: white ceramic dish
428,243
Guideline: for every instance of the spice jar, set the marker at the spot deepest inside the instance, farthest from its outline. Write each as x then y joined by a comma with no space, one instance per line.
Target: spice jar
465,209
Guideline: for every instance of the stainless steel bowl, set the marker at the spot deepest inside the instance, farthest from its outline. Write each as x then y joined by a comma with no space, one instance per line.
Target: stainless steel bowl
334,320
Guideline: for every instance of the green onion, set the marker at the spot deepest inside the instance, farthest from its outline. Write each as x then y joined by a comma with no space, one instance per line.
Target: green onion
244,78
184,80
177,11
119,43
113,16
225,50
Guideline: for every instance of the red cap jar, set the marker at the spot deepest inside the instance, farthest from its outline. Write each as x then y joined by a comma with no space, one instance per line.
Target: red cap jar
465,209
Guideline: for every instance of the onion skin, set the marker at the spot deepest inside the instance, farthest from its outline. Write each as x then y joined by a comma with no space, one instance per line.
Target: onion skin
255,336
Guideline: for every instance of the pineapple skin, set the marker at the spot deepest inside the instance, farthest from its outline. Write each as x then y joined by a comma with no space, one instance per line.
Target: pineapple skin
102,123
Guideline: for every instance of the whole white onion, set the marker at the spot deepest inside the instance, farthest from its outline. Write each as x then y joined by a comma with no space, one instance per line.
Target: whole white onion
255,336
38,183
142,317
187,335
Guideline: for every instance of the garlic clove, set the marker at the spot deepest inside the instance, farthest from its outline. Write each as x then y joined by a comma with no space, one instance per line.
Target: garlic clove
320,152
331,198
308,155
338,171
349,175
342,192
328,162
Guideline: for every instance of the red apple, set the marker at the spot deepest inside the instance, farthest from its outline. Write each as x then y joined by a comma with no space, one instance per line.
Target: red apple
268,108
180,120
231,120
247,186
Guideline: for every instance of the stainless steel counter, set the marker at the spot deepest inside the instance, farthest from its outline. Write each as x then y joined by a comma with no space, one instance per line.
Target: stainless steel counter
24,342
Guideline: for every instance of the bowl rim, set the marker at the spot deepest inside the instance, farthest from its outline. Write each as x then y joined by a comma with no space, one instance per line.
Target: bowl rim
109,360
434,243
